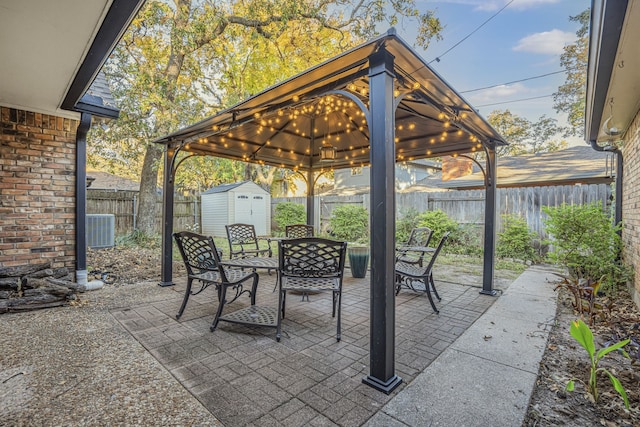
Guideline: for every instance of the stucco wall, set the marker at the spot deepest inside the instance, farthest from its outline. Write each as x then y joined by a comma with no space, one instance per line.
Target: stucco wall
37,188
631,202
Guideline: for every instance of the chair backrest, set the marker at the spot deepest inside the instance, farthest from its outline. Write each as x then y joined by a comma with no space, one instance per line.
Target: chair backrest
298,231
420,236
242,235
199,252
311,257
437,251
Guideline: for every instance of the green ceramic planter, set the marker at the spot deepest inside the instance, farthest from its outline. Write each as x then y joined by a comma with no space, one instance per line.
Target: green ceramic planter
358,260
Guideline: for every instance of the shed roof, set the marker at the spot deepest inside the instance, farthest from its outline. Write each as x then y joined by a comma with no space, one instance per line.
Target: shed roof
223,188
287,124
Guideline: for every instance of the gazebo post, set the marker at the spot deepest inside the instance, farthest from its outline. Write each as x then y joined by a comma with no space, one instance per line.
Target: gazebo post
381,122
310,197
489,222
167,217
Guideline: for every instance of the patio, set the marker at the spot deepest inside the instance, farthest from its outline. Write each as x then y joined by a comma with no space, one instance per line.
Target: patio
244,377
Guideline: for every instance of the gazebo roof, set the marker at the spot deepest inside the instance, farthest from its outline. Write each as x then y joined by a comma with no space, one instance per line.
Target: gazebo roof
287,124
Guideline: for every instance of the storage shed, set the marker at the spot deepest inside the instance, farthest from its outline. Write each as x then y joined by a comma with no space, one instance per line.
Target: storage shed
241,202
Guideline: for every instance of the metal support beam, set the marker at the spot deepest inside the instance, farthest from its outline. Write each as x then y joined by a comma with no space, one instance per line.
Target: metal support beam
489,223
167,217
382,131
311,184
81,198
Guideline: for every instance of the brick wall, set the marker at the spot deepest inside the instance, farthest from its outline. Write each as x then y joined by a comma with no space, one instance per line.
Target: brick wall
37,188
631,202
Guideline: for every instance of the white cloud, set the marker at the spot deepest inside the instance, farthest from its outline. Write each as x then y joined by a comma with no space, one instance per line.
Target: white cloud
499,94
546,43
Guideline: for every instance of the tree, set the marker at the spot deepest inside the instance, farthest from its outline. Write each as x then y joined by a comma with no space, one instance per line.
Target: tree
180,62
525,137
513,128
570,97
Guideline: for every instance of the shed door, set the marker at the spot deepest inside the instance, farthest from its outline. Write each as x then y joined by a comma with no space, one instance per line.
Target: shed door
243,208
259,214
251,209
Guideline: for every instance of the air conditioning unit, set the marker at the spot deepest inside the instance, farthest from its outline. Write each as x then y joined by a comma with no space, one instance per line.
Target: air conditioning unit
101,230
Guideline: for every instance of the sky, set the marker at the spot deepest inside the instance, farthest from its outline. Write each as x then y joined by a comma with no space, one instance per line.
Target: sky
523,40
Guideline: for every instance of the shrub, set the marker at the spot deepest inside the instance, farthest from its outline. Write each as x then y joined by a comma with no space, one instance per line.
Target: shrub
440,223
516,241
586,242
288,213
350,223
466,240
406,222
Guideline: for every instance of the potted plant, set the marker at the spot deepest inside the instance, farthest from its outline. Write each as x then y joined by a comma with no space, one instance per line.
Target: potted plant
351,223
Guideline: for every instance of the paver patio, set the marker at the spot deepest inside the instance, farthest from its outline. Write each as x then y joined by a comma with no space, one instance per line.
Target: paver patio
244,377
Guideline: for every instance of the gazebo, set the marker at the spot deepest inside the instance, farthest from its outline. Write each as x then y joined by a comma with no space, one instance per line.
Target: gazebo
373,105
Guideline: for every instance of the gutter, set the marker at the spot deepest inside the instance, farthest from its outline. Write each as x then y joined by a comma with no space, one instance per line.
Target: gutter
619,171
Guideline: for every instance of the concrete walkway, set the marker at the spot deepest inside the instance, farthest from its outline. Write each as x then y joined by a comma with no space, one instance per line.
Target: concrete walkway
487,375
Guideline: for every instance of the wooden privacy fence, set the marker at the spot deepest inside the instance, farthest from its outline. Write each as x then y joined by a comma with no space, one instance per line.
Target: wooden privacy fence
467,206
464,206
123,204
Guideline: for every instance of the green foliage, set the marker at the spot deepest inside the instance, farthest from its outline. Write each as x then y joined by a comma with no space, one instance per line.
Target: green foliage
440,223
405,223
349,223
525,136
570,97
288,213
581,332
466,240
586,242
139,238
516,241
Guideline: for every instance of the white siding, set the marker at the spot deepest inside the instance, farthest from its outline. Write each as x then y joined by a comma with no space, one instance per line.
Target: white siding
214,214
220,209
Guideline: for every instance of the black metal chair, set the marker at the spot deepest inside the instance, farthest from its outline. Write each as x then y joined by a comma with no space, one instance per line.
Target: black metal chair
243,241
298,231
310,265
202,261
420,278
419,238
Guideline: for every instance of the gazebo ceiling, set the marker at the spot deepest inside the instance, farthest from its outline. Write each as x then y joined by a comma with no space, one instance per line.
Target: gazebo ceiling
287,124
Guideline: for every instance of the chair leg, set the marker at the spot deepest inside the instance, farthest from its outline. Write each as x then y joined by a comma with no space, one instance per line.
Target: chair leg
398,283
433,286
335,297
223,300
254,288
426,284
339,326
280,314
186,298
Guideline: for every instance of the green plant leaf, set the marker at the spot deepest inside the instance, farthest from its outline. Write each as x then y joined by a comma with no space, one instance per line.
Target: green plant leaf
581,332
618,386
570,386
603,351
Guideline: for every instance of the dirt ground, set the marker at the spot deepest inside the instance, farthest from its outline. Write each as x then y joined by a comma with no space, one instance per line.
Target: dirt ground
563,359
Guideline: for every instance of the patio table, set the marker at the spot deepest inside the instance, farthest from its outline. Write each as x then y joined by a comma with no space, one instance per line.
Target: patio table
254,314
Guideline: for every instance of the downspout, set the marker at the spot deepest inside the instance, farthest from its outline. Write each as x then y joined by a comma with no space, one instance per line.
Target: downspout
619,170
81,198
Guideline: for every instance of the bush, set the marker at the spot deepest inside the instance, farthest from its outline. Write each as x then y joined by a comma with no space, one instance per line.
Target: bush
289,213
350,223
466,240
516,241
406,222
439,223
586,242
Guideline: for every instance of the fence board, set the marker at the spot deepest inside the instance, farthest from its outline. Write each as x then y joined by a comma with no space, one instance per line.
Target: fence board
467,206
